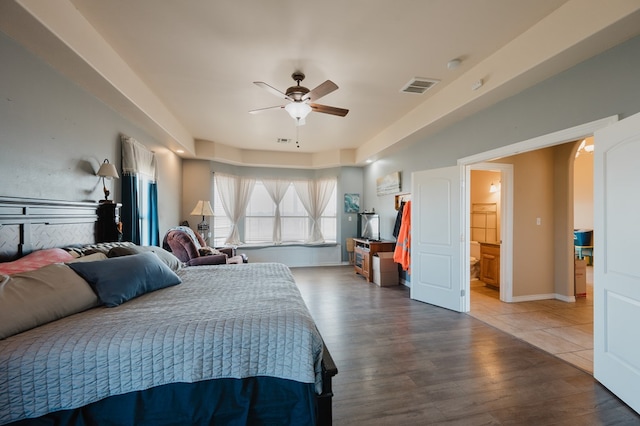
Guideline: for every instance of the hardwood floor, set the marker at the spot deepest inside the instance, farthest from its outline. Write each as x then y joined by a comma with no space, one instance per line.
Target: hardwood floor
402,362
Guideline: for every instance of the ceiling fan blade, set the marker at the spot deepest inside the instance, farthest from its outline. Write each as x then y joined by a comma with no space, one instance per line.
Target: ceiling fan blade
320,91
272,90
255,111
329,110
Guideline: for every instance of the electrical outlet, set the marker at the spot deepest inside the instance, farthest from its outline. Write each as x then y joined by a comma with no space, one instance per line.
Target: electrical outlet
538,221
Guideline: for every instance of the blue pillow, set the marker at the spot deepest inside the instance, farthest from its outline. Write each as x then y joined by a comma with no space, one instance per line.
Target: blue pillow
119,279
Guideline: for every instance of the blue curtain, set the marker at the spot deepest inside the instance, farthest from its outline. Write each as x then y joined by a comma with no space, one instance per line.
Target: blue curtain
140,222
130,210
154,229
139,194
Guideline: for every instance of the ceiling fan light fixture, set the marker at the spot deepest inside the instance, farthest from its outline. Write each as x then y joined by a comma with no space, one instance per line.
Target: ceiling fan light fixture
298,110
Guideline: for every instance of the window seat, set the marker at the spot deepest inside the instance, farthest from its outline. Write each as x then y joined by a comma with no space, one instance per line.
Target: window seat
294,254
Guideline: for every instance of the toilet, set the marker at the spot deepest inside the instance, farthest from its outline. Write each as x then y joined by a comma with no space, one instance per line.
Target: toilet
474,260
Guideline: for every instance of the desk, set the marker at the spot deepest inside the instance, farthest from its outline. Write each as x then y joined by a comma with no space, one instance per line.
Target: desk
585,251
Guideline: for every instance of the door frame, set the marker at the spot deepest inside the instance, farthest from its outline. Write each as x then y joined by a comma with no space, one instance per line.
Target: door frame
466,163
506,224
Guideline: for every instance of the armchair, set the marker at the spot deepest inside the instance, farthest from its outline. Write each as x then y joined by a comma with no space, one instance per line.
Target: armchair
187,246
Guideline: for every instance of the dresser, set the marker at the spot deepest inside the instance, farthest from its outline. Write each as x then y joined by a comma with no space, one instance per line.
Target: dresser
363,252
108,225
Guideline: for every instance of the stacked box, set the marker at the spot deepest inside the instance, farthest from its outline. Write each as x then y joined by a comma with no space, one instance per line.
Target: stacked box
582,237
385,270
580,279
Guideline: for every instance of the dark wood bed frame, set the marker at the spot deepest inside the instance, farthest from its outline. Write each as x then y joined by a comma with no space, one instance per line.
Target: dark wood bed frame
28,224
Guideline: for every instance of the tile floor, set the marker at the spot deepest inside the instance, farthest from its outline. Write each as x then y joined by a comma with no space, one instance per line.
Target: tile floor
560,328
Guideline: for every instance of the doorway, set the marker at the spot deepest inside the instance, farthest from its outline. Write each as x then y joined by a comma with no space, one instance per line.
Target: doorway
573,343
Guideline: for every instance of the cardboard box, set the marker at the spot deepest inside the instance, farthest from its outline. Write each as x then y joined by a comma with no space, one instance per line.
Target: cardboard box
386,279
385,261
385,270
580,277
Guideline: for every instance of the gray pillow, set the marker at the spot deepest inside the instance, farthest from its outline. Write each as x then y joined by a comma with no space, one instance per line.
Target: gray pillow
119,279
168,258
29,299
93,257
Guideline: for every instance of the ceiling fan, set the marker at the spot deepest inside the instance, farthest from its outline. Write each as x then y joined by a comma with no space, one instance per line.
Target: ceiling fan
300,99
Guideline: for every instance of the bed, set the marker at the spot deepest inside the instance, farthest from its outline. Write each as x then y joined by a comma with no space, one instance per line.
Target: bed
227,344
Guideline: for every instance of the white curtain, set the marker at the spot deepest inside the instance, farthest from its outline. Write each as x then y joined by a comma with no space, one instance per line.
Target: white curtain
277,189
138,160
235,192
314,195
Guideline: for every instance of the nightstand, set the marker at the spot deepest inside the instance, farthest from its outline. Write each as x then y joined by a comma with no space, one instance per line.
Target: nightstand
108,226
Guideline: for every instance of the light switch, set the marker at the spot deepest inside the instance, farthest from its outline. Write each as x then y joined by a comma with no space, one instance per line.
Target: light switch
538,221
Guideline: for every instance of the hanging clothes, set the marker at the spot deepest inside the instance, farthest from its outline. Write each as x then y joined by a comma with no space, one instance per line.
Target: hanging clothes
402,253
396,227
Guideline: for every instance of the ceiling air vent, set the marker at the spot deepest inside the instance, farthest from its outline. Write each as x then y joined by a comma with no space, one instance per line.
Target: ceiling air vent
418,85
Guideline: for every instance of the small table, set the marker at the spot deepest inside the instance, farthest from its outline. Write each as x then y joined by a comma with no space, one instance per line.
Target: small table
585,251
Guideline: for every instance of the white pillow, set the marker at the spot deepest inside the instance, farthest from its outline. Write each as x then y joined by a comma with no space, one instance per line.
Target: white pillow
29,299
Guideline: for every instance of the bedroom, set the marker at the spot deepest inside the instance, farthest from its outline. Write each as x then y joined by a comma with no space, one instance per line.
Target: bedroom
52,150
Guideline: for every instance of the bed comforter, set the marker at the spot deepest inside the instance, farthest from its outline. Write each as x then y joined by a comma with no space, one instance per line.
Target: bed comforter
225,321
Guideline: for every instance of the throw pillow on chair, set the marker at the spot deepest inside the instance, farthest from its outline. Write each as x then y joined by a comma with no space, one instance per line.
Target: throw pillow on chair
207,251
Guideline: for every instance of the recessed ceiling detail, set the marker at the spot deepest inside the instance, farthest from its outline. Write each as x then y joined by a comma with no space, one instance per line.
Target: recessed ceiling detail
419,85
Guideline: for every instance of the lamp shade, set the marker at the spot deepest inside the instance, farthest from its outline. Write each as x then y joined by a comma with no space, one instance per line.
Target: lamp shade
107,170
202,208
298,110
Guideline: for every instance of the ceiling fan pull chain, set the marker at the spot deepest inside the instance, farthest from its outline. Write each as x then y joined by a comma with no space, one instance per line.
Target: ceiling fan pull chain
298,134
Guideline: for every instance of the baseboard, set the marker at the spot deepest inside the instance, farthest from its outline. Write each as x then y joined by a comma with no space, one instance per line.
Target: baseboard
569,299
532,297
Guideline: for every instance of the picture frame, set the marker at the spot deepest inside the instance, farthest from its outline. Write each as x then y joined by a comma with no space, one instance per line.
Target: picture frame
389,184
351,203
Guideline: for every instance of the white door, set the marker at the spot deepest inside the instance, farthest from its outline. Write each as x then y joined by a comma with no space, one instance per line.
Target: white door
616,361
436,245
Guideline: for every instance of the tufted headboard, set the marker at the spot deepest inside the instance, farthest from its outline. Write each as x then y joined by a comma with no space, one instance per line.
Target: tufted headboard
28,224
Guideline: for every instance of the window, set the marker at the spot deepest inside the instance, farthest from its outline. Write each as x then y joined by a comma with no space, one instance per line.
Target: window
259,217
294,218
259,224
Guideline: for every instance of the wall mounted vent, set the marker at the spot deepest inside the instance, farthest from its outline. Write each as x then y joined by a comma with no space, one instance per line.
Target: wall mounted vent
419,85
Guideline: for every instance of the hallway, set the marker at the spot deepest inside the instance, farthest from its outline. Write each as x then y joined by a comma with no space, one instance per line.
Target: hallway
562,329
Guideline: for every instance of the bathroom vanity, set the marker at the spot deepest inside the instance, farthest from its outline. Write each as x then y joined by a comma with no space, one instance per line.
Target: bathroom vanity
490,264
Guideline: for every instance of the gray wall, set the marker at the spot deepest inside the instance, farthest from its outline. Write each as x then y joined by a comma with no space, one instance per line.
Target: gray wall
53,137
602,86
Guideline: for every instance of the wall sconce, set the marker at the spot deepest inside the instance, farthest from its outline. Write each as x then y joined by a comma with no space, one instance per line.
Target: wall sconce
203,208
107,171
494,188
584,148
